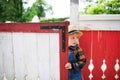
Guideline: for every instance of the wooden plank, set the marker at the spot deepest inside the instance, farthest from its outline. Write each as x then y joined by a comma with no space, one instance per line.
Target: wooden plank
54,57
18,47
1,54
6,55
30,55
43,53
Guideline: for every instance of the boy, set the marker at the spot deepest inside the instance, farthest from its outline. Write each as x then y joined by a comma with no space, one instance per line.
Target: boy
76,58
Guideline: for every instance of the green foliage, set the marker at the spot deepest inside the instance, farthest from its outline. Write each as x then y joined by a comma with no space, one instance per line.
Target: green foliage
54,19
38,8
10,10
104,7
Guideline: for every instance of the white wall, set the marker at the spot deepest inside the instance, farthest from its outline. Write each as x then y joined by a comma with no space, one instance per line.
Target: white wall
99,22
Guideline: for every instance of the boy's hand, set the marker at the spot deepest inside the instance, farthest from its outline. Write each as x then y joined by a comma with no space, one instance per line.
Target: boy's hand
68,66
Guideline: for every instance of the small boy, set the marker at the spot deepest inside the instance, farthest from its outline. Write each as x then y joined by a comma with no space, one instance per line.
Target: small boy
76,58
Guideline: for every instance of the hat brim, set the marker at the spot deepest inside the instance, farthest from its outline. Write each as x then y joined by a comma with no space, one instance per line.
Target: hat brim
75,31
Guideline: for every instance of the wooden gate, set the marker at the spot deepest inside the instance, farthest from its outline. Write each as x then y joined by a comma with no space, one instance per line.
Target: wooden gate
102,50
32,51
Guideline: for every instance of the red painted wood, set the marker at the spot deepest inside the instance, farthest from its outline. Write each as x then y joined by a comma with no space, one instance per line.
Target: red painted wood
106,45
29,27
35,27
64,56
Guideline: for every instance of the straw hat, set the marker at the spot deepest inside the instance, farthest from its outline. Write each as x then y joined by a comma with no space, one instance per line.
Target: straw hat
73,29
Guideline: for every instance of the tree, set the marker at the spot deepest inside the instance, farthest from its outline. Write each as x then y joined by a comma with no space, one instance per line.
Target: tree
10,10
38,8
13,10
104,7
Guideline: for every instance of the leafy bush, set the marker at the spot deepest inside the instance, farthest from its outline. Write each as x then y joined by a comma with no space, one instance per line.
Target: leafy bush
104,7
54,19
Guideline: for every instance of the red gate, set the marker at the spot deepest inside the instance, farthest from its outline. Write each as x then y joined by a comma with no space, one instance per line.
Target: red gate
103,47
56,27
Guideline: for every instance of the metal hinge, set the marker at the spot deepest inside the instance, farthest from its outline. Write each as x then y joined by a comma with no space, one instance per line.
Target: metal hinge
63,34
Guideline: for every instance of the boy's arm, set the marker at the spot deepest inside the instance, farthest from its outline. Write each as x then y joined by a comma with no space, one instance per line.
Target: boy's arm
81,61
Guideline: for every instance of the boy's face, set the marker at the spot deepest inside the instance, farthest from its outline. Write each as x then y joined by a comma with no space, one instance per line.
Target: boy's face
73,39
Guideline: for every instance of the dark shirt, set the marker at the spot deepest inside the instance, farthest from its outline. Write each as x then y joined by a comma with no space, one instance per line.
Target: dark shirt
77,60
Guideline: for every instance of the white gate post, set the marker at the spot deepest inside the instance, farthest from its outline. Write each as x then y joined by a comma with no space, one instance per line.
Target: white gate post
74,12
